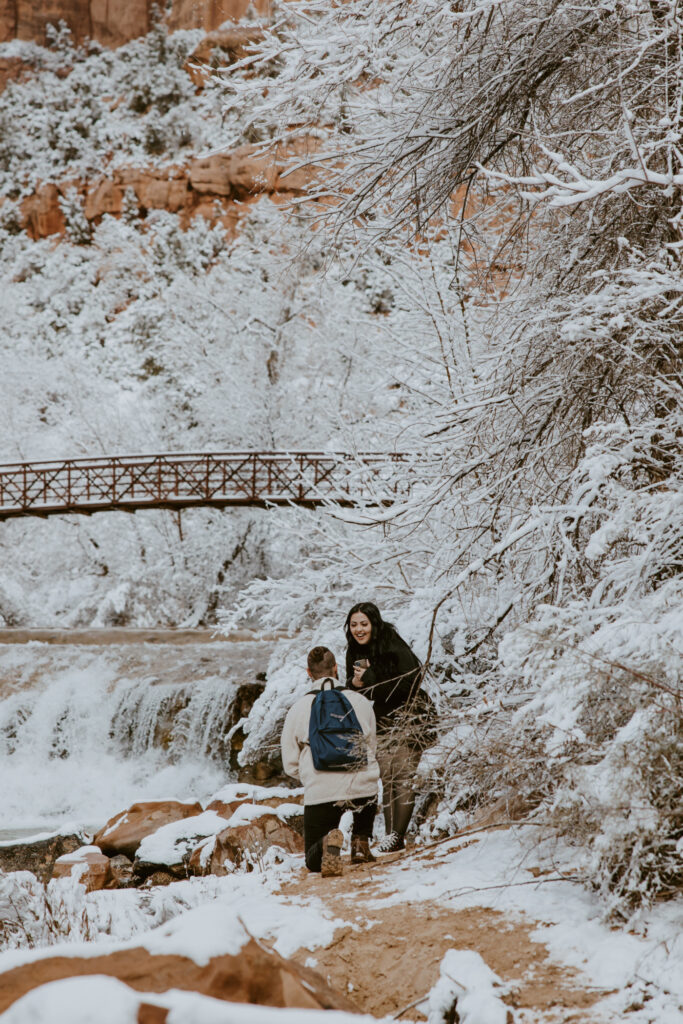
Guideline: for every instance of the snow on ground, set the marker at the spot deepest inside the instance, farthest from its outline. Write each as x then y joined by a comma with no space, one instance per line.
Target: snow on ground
645,963
203,917
83,1000
478,1002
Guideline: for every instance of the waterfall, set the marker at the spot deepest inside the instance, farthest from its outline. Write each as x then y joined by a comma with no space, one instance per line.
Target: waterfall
86,730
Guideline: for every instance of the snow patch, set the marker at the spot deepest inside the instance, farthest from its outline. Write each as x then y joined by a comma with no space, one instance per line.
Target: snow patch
467,980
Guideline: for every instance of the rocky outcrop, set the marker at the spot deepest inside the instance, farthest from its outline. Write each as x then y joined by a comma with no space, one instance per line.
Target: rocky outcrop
114,22
238,174
227,808
110,22
12,68
38,855
254,975
124,832
242,846
219,48
215,187
211,14
88,864
41,214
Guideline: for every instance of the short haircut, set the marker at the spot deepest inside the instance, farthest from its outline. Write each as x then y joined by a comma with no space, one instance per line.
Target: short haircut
321,662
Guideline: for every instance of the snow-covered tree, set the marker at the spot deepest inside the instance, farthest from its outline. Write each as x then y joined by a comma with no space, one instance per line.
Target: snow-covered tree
545,140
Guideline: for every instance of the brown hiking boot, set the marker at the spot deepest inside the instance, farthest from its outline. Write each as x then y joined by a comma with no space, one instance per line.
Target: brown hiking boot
332,862
360,851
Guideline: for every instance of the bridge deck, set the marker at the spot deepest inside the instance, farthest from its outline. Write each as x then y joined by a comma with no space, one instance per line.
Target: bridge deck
185,480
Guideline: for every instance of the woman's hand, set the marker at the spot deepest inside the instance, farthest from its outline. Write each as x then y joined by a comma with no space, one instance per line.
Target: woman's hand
359,668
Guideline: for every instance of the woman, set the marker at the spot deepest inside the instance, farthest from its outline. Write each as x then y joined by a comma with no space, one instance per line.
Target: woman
388,673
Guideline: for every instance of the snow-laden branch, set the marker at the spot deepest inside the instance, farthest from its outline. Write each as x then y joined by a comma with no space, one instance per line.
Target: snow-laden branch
579,189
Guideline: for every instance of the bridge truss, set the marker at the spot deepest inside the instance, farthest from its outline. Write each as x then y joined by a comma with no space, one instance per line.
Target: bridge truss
185,480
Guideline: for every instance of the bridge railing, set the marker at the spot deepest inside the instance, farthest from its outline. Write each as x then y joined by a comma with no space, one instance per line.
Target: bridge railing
182,480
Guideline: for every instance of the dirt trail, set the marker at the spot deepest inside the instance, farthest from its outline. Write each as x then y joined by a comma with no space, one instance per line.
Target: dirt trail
389,957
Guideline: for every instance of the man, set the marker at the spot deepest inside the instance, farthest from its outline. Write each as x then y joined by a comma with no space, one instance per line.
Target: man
327,794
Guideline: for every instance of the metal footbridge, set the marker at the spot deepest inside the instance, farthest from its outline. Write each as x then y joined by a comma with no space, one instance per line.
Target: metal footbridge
196,479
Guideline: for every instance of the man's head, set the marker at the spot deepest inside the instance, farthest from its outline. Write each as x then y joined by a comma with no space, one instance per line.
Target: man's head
321,663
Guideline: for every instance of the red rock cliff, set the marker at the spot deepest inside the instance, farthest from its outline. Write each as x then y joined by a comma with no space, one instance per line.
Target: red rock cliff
112,22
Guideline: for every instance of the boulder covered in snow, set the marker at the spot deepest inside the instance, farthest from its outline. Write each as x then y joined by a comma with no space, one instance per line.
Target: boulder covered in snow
169,848
287,804
125,831
88,864
243,844
38,854
252,974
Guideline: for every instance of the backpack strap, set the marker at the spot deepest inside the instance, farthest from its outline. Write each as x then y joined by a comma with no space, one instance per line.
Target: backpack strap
328,679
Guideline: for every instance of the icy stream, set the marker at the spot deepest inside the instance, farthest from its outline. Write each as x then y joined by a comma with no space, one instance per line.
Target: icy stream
85,729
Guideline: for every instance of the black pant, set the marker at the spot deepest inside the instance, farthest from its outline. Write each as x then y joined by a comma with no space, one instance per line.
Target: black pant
319,819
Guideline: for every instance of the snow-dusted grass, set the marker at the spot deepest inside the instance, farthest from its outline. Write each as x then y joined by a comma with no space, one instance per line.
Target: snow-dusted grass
197,917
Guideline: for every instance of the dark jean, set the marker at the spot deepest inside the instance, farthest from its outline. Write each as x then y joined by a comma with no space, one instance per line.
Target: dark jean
319,819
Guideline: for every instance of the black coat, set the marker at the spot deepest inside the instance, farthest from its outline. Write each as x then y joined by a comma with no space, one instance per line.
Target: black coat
391,681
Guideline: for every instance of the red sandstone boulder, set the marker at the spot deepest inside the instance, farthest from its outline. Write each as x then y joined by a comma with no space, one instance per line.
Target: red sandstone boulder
41,213
243,846
227,808
241,172
38,855
169,848
124,832
88,864
254,975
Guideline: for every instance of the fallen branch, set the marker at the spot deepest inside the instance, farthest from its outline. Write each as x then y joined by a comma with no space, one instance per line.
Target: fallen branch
510,885
410,1006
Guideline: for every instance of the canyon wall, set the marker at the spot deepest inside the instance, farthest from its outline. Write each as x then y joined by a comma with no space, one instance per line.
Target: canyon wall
112,22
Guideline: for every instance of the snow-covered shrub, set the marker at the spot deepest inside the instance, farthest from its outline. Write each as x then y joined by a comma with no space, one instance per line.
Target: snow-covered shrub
87,109
607,660
78,228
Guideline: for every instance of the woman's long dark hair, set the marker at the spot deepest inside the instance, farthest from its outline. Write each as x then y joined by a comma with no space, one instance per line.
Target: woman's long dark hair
381,634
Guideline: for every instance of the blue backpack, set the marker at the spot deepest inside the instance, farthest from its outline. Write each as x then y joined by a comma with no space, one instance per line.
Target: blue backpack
334,732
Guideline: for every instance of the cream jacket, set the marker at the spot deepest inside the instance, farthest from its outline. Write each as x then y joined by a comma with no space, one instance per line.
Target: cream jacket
328,787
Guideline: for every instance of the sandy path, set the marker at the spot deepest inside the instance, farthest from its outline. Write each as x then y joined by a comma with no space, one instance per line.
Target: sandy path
390,956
